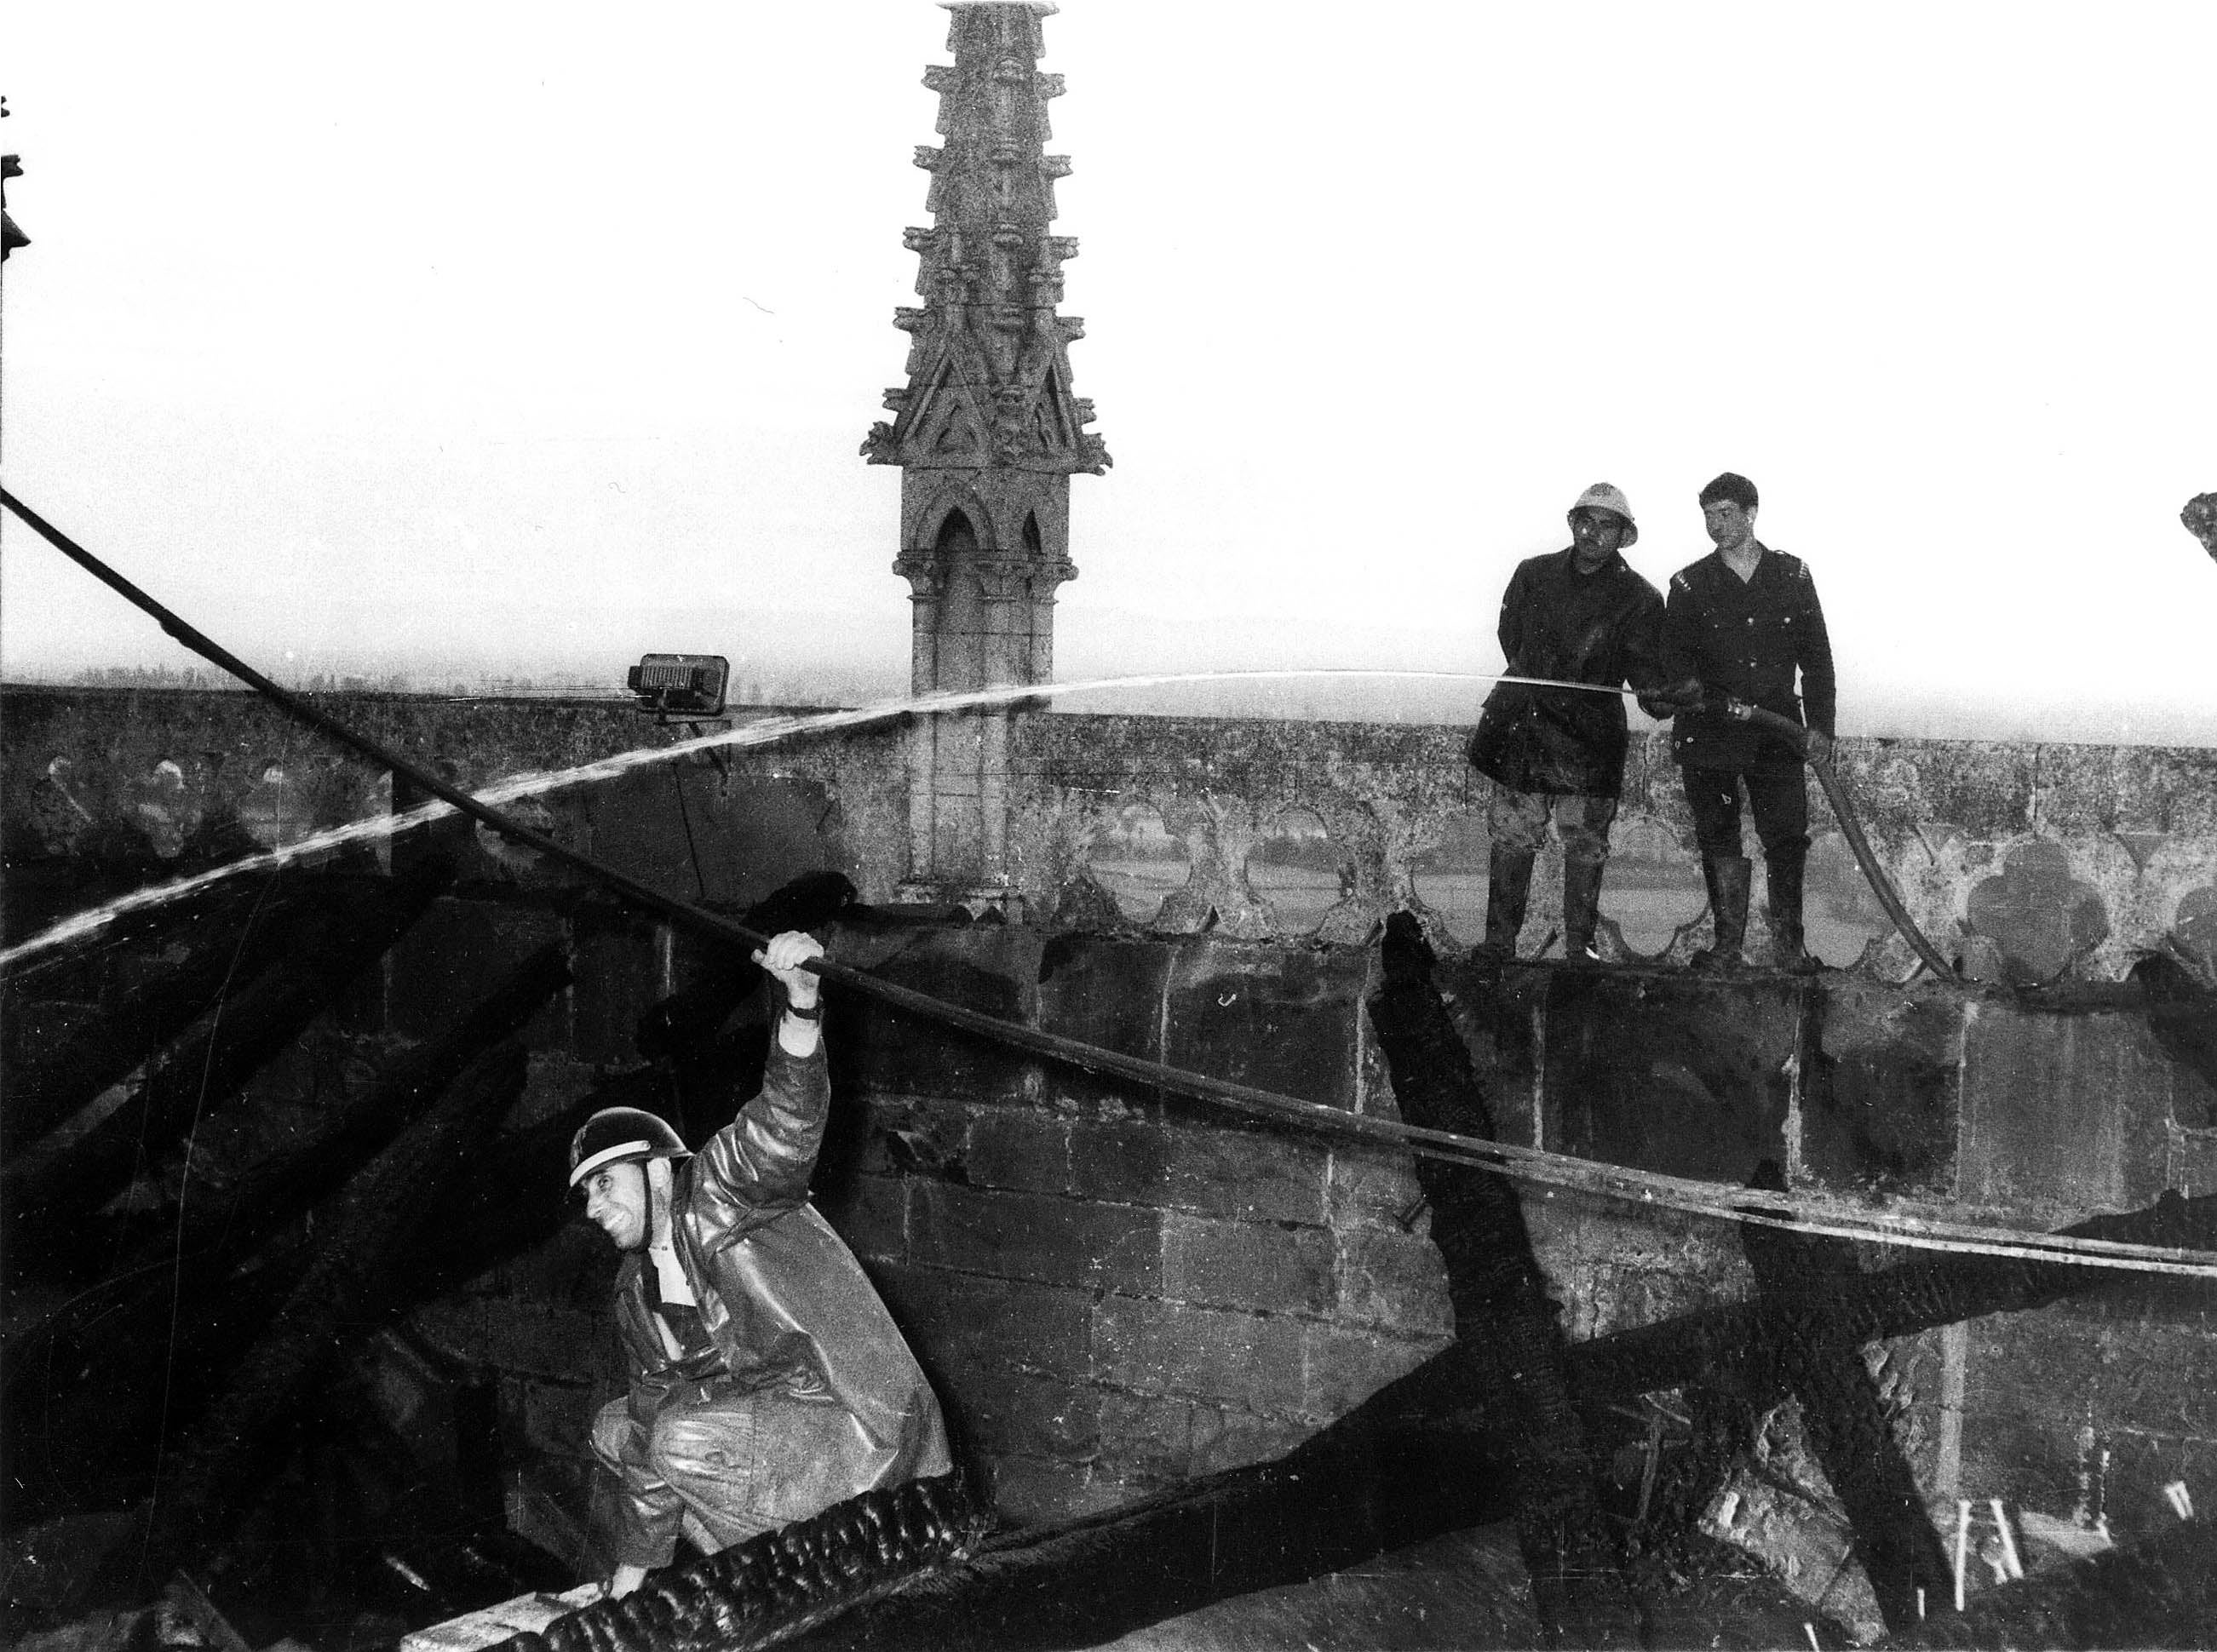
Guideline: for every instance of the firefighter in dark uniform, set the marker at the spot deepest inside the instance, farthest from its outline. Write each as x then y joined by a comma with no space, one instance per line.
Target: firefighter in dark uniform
1738,625
1577,615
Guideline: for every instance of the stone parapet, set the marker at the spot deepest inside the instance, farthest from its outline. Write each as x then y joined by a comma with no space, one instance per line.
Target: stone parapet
2030,862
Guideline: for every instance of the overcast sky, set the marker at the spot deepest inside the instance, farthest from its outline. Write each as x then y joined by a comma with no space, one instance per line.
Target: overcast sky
449,338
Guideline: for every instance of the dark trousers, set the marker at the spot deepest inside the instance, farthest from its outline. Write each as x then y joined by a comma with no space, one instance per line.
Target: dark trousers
1779,801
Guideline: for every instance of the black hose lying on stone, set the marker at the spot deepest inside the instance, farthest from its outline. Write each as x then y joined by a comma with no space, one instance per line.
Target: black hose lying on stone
782,1583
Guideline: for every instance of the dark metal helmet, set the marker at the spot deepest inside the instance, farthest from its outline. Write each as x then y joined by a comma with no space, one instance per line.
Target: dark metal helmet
617,1134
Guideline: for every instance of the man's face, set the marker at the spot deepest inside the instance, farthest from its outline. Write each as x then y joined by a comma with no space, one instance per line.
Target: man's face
1595,535
1730,527
616,1201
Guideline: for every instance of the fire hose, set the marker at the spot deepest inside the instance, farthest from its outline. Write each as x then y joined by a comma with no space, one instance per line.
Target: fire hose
1850,828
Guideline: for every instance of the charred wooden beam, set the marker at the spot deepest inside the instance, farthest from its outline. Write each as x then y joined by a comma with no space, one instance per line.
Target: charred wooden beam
769,1589
350,1285
229,944
84,971
282,1185
1362,1486
1393,1472
85,1405
124,1320
1735,1345
91,1396
359,1511
2162,1592
215,1629
1842,1417
48,1194
1507,1326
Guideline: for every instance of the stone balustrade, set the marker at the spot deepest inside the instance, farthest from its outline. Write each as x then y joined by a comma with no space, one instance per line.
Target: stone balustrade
2030,862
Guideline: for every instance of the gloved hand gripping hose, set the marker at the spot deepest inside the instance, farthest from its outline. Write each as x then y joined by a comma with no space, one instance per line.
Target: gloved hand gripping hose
1851,829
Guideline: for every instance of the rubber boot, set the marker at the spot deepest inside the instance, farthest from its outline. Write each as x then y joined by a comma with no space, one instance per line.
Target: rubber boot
1507,887
1728,877
1783,872
1581,903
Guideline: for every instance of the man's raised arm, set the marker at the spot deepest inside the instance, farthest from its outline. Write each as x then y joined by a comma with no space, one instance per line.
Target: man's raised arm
757,1166
801,1028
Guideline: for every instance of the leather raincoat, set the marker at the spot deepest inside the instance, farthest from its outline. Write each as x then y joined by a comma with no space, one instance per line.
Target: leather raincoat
808,1376
1602,628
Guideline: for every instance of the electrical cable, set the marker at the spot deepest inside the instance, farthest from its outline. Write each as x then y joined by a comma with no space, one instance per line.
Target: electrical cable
685,815
1803,1212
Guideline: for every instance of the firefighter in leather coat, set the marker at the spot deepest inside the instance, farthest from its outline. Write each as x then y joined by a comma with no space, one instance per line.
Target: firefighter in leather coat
1579,615
768,1381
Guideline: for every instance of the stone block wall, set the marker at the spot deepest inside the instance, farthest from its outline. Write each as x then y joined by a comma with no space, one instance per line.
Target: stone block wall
1114,1291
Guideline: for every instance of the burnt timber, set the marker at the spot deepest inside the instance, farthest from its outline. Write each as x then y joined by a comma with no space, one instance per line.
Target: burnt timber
49,1193
1508,1338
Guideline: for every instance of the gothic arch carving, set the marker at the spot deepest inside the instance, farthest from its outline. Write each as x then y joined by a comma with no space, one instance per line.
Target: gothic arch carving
931,522
957,536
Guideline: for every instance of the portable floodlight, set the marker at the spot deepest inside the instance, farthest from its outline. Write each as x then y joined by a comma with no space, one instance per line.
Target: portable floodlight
689,685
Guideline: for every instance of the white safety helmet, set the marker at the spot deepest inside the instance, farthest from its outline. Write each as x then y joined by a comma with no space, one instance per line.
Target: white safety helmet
620,1135
1602,496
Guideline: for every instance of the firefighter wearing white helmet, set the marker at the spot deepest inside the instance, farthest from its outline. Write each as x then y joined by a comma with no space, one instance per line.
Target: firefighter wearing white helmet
768,1381
1580,614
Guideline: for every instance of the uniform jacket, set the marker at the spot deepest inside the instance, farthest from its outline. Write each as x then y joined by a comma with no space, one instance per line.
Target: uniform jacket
1745,640
1602,628
788,1306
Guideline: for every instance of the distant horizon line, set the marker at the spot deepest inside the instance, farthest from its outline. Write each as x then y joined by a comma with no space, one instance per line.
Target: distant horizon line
832,686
